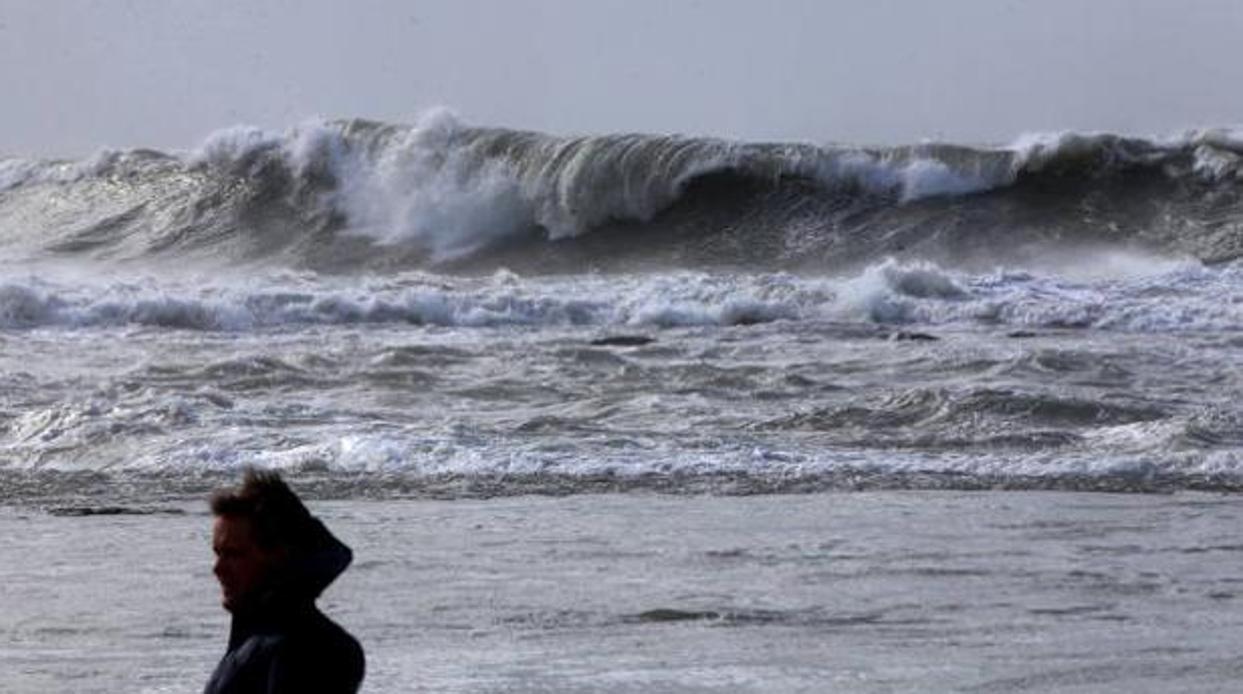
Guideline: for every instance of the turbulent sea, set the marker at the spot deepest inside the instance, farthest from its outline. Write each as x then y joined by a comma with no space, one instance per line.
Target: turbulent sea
565,397
459,311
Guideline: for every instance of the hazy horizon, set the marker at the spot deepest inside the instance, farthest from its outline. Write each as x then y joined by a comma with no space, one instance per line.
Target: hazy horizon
79,76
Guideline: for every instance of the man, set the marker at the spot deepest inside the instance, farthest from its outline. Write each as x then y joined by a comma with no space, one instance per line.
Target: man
273,559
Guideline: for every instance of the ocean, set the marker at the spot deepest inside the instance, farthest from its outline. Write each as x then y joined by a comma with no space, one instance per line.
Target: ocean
614,334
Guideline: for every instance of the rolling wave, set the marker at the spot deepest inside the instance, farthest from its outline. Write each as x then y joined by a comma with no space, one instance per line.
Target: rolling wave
349,195
1136,295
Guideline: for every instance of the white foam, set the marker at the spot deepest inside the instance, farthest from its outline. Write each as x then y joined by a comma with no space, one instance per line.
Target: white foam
908,180
1216,164
423,454
23,306
419,188
1217,153
424,191
678,314
15,172
1192,298
883,292
452,190
1116,294
21,172
495,302
224,148
1034,151
927,178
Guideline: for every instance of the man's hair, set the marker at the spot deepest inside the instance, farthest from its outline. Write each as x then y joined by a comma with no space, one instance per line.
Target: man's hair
278,517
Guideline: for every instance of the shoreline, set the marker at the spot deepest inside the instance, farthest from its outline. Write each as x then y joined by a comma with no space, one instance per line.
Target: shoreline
101,493
868,591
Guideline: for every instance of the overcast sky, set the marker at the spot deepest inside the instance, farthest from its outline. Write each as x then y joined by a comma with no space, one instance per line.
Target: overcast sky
78,75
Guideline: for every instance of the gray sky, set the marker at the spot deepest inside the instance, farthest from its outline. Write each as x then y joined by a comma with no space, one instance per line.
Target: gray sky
78,75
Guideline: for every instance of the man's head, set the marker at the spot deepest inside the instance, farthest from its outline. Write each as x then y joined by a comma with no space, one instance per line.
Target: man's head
259,526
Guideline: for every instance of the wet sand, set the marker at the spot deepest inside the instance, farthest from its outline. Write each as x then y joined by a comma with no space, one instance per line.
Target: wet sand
866,592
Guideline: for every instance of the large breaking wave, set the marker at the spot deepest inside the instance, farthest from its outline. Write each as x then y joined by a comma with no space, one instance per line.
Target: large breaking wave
346,195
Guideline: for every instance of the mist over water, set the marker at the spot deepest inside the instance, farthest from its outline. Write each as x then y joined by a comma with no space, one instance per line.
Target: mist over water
484,311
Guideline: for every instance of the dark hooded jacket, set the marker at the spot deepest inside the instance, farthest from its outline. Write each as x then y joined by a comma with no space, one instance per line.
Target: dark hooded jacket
282,643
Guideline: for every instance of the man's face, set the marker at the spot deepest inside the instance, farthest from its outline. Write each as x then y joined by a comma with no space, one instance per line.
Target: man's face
242,565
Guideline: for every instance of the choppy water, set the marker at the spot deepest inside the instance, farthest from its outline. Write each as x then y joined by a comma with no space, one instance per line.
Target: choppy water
445,311
465,311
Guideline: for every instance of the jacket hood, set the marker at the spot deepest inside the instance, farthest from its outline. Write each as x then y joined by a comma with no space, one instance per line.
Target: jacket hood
314,566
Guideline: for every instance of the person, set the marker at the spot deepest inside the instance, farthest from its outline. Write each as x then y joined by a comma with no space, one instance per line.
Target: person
273,559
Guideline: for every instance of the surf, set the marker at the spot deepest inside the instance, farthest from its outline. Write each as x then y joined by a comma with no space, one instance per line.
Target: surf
360,196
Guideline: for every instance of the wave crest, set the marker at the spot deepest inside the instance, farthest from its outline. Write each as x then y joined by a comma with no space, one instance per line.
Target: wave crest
348,194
